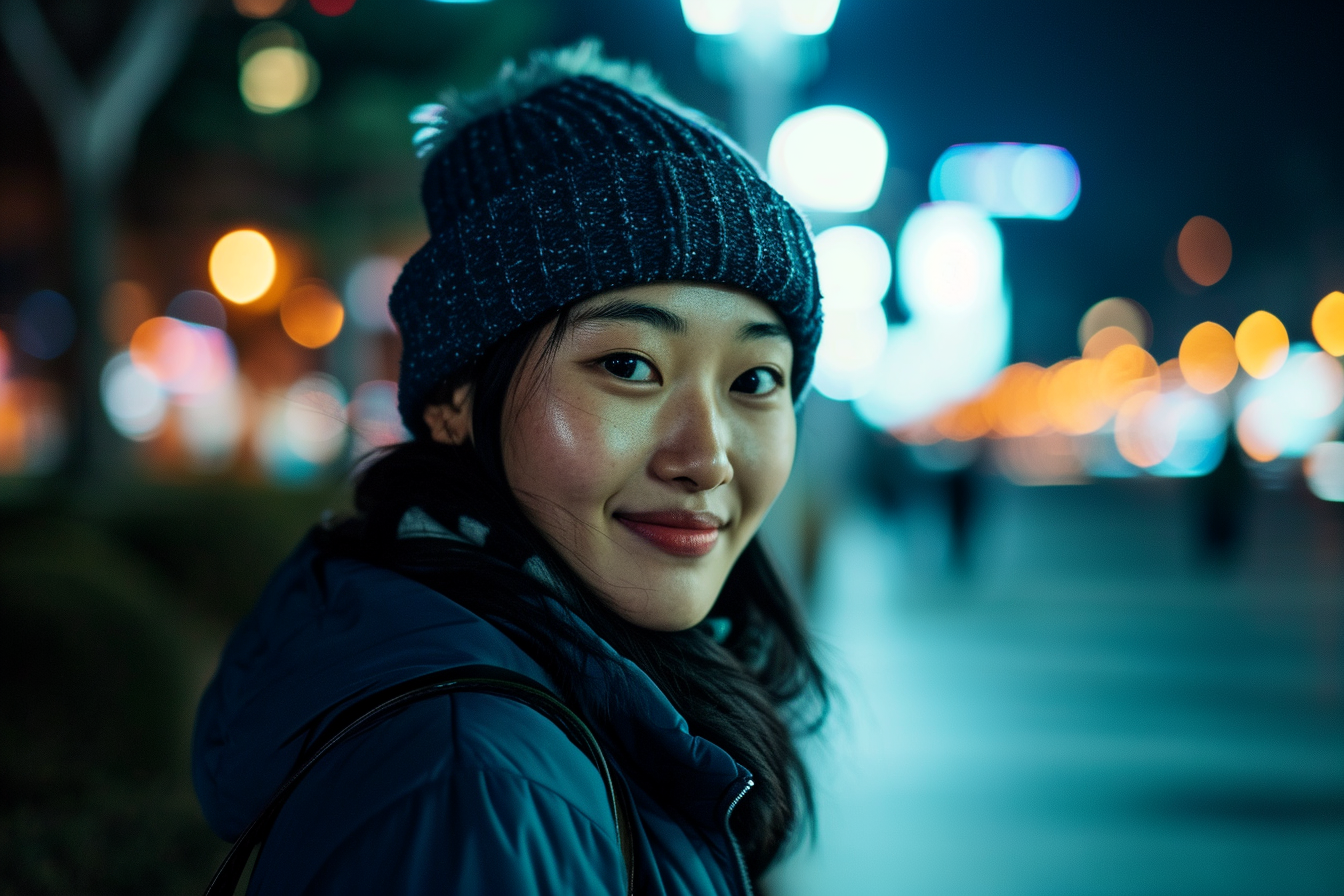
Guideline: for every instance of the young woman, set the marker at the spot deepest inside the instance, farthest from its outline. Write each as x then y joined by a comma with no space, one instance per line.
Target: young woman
605,340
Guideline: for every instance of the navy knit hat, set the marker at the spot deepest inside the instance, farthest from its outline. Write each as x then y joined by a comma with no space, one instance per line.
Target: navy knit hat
570,177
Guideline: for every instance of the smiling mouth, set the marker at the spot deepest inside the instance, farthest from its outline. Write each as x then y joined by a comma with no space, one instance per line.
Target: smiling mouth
681,534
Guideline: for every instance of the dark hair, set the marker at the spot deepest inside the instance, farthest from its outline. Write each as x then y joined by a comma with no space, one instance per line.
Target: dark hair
751,694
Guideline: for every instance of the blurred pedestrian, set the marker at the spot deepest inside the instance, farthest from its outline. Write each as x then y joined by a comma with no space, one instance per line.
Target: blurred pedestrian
597,677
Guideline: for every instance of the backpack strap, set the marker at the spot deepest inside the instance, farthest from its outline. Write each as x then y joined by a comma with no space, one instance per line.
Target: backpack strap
369,711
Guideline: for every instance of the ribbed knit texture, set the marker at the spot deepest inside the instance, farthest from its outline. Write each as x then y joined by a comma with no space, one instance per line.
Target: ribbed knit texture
579,188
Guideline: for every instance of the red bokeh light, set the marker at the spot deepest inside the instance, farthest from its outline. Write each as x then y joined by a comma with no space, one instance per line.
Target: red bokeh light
332,7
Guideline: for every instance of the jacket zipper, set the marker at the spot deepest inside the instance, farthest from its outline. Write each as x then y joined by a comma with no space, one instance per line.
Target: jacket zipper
732,840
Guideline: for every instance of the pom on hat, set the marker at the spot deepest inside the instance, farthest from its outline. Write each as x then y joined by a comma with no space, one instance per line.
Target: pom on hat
444,120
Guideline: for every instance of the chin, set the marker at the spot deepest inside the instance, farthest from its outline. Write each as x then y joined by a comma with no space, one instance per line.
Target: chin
660,612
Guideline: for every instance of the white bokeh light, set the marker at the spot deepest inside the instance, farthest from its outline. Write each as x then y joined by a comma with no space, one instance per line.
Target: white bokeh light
854,267
851,346
807,16
829,158
212,425
949,260
135,402
714,16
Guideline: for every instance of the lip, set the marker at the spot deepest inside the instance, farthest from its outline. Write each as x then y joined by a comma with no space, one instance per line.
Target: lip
682,533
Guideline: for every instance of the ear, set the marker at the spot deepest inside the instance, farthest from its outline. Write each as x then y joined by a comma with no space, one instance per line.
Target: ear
450,422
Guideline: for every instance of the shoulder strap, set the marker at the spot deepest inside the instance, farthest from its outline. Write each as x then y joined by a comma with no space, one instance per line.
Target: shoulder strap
373,709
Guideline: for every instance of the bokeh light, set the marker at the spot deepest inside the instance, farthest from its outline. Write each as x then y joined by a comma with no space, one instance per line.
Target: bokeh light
1071,397
1008,180
242,266
1115,312
807,16
126,305
1324,470
1262,344
302,430
854,267
196,306
1107,340
1327,323
1204,250
1013,404
949,260
367,288
33,433
829,158
5,352
332,7
713,16
312,315
277,79
211,425
852,341
1289,412
374,416
1125,371
44,326
1146,429
134,401
259,9
183,358
1208,357
1255,431
1201,433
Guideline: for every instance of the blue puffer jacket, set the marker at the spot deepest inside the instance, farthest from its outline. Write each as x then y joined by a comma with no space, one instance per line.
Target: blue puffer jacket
461,794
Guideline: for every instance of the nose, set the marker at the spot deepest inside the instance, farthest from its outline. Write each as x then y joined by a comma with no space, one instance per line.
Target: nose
693,441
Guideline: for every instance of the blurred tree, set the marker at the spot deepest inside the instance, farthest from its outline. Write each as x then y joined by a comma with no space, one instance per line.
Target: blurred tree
95,128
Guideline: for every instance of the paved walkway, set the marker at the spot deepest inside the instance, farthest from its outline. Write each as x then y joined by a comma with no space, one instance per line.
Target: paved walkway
1089,709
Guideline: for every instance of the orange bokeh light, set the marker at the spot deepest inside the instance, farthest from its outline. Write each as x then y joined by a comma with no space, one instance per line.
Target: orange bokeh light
1013,405
242,266
1327,323
1125,371
312,315
259,9
1204,250
1070,394
4,354
1262,344
963,422
1208,357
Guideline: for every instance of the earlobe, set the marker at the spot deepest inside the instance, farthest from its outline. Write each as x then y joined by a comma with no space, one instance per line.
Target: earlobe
450,422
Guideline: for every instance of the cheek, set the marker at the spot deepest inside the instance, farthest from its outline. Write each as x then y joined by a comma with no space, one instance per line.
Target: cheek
766,464
566,448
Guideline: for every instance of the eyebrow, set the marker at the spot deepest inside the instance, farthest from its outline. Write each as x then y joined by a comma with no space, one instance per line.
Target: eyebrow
662,319
637,312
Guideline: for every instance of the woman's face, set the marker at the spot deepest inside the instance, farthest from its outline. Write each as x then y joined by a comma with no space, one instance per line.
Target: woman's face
649,446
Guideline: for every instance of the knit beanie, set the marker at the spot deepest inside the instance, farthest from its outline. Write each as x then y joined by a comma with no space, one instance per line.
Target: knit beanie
572,176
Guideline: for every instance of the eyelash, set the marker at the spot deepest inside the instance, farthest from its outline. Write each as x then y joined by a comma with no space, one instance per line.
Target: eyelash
626,357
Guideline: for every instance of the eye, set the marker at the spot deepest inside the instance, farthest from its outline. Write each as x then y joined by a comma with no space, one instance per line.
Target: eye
629,367
757,381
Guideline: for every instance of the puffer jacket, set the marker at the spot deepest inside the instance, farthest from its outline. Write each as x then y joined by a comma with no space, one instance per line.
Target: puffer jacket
462,794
